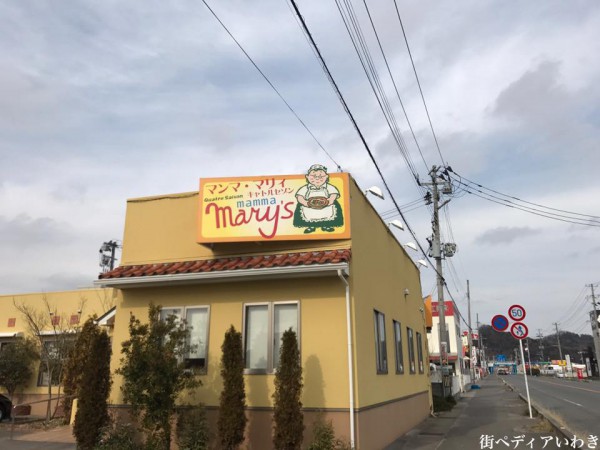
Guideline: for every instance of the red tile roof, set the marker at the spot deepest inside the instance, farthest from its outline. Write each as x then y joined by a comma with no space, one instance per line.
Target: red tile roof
235,263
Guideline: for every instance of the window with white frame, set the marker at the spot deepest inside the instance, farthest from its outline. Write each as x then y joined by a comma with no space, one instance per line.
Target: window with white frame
51,363
398,347
411,349
420,352
196,322
380,343
264,325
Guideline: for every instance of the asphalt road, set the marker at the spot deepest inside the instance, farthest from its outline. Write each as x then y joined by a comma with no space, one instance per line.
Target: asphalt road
572,403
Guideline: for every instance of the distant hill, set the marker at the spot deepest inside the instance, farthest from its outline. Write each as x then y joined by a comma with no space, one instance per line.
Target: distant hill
547,348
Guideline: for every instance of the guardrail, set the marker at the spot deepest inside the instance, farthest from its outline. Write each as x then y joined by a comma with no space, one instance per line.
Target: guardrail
48,400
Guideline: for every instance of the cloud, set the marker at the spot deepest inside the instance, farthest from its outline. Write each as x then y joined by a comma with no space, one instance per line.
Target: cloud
537,96
505,235
24,231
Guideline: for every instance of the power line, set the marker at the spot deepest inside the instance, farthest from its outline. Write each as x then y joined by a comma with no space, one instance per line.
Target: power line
418,82
559,217
362,138
271,84
394,83
360,46
511,198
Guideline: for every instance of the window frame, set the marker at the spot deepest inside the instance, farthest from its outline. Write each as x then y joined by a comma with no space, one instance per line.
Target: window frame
270,369
411,350
57,373
398,347
184,309
420,352
381,360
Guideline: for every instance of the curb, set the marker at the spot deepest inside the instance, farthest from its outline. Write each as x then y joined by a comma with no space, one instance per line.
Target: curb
566,433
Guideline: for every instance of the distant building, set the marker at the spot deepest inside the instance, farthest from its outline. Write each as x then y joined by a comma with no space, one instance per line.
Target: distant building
455,354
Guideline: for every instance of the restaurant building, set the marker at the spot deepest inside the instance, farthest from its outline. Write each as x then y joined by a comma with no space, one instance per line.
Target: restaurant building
268,253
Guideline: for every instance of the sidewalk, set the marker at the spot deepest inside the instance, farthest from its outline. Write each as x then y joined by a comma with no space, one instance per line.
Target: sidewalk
59,438
493,417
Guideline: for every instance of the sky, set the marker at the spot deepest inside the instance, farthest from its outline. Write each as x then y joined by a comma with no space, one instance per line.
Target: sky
105,101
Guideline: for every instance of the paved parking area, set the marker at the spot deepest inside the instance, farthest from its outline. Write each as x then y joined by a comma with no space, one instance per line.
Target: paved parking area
59,438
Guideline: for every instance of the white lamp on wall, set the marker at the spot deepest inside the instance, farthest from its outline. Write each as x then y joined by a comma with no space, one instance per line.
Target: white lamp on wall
396,223
411,245
375,191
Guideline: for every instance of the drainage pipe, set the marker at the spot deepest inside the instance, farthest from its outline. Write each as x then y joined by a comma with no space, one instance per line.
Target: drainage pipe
350,356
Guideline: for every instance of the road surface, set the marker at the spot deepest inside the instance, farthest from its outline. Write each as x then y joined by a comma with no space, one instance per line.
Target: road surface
572,403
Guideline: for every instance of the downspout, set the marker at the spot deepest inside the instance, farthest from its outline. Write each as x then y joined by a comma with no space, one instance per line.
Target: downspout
350,357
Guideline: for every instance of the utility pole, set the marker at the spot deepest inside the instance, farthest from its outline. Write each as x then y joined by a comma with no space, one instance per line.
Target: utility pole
558,339
470,335
107,255
595,327
437,251
482,361
528,355
541,345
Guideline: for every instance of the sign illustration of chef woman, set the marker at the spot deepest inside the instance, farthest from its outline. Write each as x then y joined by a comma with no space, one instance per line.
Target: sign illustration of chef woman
318,203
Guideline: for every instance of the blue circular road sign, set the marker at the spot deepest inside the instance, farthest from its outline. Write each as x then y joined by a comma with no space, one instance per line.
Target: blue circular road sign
499,322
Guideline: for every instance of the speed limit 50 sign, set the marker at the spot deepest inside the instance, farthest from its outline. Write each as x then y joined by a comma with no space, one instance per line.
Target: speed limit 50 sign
516,313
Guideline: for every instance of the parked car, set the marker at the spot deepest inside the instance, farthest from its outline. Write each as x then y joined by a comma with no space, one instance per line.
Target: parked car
5,407
502,371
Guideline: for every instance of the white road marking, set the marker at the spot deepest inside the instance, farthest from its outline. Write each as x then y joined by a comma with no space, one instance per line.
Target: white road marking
572,402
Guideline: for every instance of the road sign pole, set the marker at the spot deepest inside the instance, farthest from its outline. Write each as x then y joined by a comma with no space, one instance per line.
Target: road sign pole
525,373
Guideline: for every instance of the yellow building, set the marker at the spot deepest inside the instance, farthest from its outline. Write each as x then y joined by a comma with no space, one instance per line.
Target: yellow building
313,282
56,317
250,252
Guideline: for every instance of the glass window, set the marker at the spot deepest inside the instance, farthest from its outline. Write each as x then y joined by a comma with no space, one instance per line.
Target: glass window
380,345
257,337
166,312
197,323
51,361
285,316
263,329
420,352
411,349
398,347
196,320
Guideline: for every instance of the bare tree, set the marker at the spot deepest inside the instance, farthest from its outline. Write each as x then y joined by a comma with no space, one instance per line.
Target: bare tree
54,335
106,297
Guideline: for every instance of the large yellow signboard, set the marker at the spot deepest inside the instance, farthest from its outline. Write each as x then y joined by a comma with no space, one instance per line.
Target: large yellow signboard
275,208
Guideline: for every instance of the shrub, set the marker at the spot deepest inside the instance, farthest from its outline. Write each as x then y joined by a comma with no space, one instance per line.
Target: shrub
154,373
324,438
94,387
443,404
118,436
192,428
16,364
232,420
287,416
